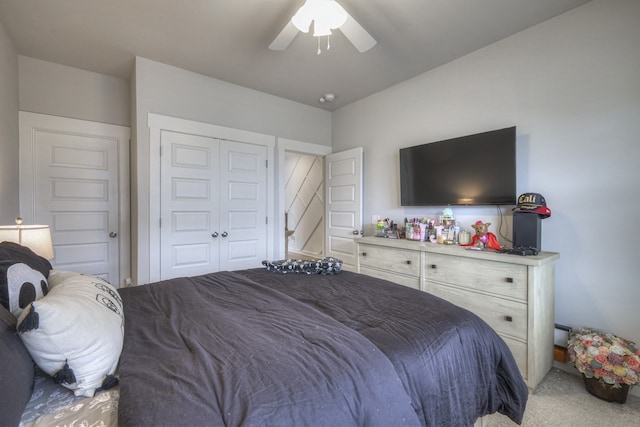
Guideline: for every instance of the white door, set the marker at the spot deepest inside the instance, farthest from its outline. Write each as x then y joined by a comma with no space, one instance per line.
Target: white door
71,179
243,205
213,205
343,206
189,205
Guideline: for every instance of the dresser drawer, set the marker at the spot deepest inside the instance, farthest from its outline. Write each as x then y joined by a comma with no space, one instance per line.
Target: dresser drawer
519,351
401,279
504,316
503,279
390,259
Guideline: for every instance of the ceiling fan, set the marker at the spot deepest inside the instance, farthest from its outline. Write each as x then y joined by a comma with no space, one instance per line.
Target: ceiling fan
326,15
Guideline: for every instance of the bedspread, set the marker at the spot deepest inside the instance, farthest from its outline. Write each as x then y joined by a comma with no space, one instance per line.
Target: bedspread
452,364
222,349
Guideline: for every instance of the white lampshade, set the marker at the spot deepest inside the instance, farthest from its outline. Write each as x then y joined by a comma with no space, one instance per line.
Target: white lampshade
35,237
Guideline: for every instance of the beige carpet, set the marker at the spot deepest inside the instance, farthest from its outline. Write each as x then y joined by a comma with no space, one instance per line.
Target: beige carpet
561,400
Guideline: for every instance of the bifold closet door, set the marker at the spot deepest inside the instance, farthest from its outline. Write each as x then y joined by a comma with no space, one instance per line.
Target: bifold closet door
213,205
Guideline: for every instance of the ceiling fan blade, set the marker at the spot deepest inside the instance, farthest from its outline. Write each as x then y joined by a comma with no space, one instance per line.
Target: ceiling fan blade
284,39
357,35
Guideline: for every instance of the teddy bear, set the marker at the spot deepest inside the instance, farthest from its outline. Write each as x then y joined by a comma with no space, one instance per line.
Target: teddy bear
483,238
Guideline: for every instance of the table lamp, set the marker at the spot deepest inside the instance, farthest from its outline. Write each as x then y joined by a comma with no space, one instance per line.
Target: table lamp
35,237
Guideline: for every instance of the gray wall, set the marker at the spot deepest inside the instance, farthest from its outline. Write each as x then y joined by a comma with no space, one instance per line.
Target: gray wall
9,198
171,91
571,85
58,90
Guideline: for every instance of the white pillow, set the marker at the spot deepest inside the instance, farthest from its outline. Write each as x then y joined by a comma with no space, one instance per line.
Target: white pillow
78,325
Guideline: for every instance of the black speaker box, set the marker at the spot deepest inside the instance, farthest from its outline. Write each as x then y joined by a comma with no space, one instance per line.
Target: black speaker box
526,230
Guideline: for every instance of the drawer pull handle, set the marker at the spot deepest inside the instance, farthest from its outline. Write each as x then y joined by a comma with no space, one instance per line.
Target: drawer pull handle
433,266
409,261
508,318
364,254
509,279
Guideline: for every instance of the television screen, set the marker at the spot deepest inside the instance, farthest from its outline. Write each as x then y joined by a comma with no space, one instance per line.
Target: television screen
476,169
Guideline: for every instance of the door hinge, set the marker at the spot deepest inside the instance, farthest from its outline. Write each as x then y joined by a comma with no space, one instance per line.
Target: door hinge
160,223
266,164
266,220
161,151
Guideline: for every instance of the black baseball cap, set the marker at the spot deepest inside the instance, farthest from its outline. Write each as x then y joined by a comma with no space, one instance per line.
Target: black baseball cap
533,203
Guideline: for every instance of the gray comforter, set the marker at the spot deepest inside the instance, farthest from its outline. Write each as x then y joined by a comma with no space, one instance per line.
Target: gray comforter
254,348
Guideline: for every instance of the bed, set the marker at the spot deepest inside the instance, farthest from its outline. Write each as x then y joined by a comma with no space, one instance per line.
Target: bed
257,347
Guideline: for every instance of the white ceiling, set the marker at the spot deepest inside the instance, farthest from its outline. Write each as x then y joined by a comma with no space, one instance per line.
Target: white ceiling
229,39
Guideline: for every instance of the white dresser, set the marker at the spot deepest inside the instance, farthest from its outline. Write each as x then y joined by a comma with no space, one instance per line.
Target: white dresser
513,294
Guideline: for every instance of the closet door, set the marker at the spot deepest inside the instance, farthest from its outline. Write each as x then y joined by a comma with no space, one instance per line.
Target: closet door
243,205
213,205
189,186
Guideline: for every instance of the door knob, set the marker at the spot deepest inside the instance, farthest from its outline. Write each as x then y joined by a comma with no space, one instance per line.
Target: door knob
356,232
113,234
225,234
214,234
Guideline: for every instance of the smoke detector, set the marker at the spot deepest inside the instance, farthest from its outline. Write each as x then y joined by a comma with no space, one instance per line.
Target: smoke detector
327,97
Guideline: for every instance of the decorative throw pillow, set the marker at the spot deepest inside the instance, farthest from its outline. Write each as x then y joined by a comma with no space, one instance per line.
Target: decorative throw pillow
75,332
10,251
13,295
17,372
20,285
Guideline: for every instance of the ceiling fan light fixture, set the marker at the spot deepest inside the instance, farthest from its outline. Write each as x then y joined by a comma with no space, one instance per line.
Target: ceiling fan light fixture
336,15
321,29
326,15
303,17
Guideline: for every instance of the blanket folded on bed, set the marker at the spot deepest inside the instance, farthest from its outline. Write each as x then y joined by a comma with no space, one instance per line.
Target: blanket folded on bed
327,265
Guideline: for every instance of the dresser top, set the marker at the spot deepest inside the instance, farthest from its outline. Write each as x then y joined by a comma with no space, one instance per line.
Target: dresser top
462,251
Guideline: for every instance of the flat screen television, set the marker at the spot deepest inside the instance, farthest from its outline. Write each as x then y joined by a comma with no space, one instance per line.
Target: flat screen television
477,169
